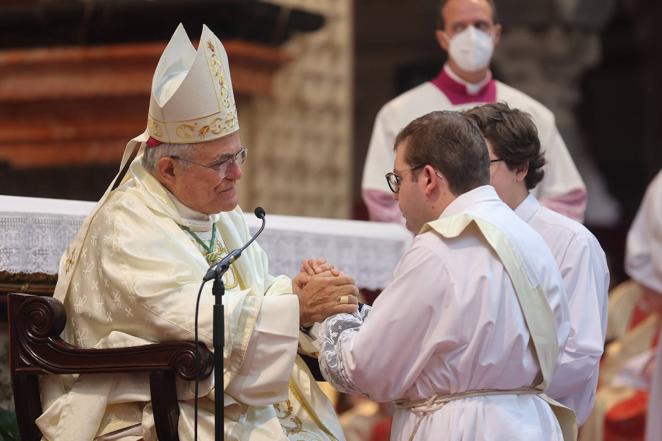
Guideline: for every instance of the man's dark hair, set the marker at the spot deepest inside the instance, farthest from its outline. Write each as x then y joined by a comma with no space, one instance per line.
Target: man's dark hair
451,143
513,137
441,25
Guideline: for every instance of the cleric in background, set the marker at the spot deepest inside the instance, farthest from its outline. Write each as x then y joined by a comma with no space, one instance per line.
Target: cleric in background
468,30
643,263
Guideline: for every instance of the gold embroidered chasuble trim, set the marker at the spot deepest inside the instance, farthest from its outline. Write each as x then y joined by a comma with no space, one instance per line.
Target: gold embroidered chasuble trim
214,252
287,412
308,409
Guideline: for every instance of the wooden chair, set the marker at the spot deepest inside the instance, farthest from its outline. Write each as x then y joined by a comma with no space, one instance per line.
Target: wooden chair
619,412
35,324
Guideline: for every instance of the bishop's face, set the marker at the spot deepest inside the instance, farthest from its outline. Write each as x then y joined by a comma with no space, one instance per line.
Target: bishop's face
205,180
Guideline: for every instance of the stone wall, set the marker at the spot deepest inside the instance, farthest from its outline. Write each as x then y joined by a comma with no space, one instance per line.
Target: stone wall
395,49
545,50
301,138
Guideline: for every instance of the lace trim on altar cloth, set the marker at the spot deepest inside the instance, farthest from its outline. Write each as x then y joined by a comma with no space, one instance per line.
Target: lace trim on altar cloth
37,231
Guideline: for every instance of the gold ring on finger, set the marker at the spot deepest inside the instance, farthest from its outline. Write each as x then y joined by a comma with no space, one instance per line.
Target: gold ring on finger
344,300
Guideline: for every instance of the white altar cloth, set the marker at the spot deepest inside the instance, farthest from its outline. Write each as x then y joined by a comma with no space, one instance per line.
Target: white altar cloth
34,232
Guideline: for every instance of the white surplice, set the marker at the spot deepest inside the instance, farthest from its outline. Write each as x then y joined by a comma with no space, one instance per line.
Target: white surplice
561,175
585,273
135,283
450,322
653,420
643,263
643,259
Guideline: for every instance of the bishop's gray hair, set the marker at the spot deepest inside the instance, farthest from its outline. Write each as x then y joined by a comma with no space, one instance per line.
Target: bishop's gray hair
152,154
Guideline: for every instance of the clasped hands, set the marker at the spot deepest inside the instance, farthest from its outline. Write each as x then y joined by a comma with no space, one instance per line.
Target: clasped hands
323,291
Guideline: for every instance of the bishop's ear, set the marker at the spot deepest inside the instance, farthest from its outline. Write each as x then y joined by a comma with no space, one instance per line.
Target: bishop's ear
165,171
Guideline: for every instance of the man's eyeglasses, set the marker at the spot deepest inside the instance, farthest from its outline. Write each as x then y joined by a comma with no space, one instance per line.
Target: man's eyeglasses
393,179
221,166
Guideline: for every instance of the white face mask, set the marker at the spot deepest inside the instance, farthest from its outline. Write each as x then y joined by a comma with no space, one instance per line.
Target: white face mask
471,49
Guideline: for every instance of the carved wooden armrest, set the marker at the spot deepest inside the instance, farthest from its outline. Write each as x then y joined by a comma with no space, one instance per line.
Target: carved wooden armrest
35,325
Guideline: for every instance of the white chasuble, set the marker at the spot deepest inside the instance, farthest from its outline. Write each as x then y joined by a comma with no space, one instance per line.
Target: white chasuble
131,278
643,259
643,263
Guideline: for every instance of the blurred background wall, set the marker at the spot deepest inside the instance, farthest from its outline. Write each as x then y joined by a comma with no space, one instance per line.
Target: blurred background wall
597,64
76,79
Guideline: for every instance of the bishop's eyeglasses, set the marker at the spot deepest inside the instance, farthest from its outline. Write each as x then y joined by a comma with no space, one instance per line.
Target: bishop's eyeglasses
222,165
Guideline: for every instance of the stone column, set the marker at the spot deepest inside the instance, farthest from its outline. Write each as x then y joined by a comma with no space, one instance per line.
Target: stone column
545,49
647,15
301,159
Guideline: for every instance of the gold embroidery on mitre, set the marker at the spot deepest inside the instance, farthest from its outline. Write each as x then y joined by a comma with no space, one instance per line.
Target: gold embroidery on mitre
216,126
154,128
191,131
222,122
216,68
186,131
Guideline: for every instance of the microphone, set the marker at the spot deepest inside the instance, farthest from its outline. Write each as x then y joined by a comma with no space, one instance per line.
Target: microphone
218,269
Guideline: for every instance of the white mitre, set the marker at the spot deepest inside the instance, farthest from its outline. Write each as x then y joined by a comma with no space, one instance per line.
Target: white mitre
192,99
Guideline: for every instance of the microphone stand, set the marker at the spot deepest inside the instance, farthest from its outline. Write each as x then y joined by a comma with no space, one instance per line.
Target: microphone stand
218,290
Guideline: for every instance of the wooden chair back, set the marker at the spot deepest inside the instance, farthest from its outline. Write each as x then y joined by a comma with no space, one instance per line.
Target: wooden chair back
35,325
